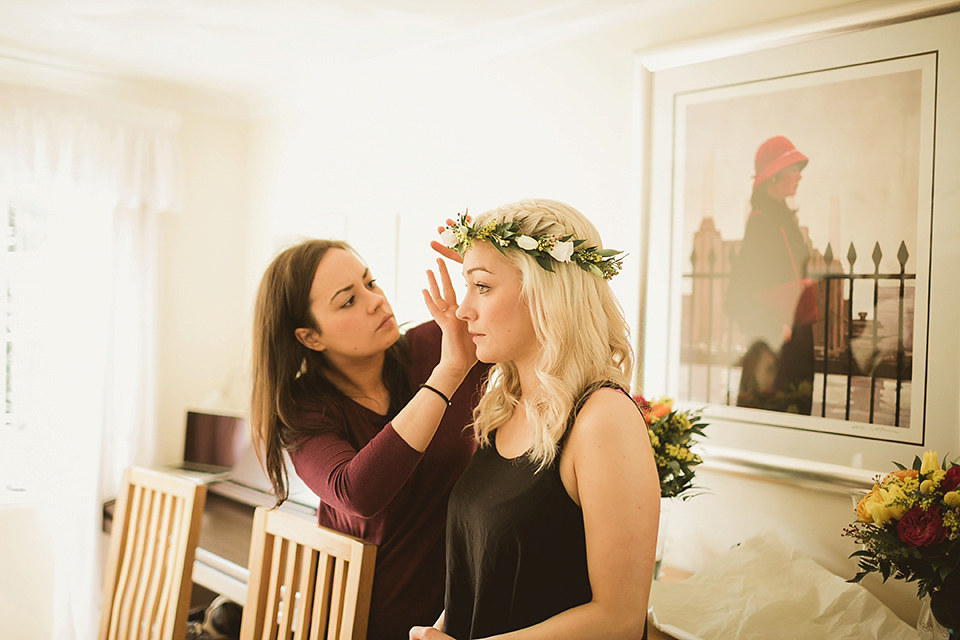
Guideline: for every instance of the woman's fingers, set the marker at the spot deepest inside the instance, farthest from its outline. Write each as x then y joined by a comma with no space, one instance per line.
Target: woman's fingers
446,251
438,300
449,293
431,305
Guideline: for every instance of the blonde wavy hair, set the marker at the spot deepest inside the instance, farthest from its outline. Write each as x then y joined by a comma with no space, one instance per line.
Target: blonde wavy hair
580,329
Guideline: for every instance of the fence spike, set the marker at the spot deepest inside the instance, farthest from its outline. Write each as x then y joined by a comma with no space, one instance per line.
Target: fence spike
903,255
828,257
693,258
851,256
877,256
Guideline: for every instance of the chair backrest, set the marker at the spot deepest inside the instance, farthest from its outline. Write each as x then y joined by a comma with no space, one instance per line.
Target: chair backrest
307,582
156,525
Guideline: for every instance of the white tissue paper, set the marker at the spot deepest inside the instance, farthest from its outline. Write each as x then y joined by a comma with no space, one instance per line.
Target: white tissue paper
763,588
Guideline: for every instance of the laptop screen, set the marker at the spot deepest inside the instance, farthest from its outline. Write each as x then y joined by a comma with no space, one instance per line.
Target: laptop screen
213,442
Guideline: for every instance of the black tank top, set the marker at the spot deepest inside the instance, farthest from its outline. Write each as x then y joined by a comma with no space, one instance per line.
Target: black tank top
516,550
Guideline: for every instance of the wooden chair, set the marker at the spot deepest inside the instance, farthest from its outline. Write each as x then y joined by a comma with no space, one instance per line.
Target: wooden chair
156,525
306,582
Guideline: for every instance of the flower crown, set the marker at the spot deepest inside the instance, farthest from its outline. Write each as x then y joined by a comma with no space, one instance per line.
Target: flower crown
544,248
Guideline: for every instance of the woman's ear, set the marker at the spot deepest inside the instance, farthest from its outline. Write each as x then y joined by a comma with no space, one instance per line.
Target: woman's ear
309,338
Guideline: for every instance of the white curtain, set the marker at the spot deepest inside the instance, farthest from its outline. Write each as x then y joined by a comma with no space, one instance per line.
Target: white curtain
86,180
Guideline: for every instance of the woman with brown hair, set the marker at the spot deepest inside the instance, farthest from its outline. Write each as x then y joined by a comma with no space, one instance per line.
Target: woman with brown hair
372,420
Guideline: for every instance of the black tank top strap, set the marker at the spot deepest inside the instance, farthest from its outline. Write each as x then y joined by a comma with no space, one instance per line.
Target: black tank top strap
582,400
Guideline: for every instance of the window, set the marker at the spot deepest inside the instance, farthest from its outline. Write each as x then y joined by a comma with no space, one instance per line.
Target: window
22,230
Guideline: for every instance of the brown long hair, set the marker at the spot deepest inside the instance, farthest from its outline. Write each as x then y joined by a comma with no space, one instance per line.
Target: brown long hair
288,378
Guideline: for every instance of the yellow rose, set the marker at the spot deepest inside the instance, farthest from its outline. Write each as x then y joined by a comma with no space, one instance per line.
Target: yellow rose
930,462
952,499
878,513
927,487
863,514
885,504
896,501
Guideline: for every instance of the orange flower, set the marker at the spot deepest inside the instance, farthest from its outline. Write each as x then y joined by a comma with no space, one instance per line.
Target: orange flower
902,474
660,408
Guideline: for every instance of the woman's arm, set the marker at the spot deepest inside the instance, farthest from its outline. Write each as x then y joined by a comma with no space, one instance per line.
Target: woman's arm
360,482
611,473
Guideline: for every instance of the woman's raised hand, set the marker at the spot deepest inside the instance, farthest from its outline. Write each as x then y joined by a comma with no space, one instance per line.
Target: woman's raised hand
457,349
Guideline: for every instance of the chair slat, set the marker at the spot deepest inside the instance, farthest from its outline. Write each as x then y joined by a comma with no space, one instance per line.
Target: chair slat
159,560
141,619
337,598
289,588
124,627
321,598
305,587
169,574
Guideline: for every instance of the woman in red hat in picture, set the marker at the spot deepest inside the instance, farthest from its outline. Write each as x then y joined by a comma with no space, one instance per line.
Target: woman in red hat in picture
769,295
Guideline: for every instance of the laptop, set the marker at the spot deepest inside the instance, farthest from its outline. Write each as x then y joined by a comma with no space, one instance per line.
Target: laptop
217,450
212,445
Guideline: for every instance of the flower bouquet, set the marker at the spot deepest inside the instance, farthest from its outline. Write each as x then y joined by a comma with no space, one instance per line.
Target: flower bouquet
671,435
909,526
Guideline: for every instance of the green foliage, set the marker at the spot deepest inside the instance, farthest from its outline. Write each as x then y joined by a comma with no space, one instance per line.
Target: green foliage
672,436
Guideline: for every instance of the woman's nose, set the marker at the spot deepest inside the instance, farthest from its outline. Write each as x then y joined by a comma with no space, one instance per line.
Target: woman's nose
464,310
377,299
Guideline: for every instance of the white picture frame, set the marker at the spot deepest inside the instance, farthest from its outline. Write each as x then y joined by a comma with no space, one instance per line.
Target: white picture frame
818,69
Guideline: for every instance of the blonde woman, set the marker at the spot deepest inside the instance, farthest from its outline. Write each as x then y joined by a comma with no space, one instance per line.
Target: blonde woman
551,529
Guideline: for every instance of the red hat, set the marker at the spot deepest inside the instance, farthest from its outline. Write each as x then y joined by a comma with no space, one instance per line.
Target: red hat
774,155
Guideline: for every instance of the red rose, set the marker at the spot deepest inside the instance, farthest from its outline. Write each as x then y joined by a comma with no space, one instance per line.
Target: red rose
919,528
952,480
643,404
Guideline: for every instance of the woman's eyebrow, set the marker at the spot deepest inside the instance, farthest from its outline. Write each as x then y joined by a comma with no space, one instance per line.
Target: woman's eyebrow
349,286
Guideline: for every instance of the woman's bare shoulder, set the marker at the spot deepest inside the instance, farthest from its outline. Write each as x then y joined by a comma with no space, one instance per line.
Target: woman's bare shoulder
608,412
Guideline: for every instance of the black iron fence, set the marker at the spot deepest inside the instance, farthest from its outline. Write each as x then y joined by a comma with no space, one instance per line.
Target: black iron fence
863,337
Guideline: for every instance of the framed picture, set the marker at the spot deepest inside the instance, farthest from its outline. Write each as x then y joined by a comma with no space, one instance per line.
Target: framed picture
804,240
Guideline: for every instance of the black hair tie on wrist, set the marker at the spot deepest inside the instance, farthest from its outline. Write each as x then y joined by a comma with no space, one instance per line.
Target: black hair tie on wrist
436,391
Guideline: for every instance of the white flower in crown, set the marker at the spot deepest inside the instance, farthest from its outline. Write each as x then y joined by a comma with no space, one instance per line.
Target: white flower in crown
448,237
526,243
562,251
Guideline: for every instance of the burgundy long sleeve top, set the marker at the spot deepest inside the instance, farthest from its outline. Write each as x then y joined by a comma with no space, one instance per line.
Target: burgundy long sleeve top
375,486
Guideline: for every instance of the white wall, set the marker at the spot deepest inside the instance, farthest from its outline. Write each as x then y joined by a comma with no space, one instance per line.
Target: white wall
204,317
422,139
